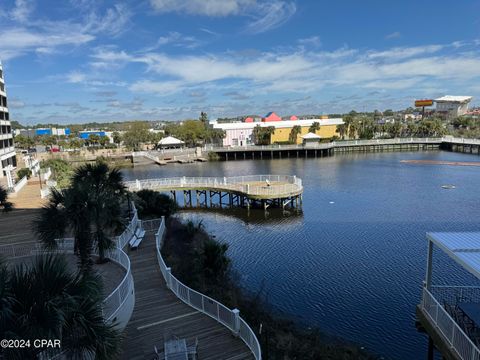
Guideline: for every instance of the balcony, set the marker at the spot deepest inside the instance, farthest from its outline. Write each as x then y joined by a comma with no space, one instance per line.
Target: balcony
451,314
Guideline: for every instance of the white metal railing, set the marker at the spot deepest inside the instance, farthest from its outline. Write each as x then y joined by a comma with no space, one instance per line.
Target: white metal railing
229,318
271,185
456,338
455,294
114,301
451,139
46,175
329,145
20,184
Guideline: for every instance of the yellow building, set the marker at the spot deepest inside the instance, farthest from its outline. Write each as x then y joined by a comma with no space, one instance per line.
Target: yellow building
282,134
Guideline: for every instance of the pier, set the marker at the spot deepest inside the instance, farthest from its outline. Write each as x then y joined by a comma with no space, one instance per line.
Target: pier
253,191
324,149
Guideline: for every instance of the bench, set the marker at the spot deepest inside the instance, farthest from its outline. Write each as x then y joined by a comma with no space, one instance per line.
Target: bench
136,238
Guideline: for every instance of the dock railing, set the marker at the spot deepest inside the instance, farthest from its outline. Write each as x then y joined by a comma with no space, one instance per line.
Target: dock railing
219,312
438,316
272,185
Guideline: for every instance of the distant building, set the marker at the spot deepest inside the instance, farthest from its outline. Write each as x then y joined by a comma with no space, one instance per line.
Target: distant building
271,116
452,106
241,134
86,134
412,117
7,150
43,132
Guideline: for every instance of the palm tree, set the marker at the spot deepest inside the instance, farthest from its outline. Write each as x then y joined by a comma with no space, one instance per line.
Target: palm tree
89,209
4,203
314,127
45,300
294,134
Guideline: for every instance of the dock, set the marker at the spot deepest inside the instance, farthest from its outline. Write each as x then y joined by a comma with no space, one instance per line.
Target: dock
258,191
158,314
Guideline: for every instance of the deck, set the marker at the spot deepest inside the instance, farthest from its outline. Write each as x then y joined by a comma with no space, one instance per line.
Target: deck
158,313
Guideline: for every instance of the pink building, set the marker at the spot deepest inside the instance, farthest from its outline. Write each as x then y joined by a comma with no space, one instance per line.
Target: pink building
271,116
293,117
248,119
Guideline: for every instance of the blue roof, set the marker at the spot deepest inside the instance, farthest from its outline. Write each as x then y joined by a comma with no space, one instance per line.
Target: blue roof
270,113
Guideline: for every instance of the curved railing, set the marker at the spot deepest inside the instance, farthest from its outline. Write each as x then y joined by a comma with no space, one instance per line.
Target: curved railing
219,312
115,300
253,185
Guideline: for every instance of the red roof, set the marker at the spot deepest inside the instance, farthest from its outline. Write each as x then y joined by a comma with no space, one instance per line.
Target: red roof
293,117
248,119
271,116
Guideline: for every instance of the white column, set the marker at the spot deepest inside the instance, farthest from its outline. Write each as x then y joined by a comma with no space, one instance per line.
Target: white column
236,321
428,276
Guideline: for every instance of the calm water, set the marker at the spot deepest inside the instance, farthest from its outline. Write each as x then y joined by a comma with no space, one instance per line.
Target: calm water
353,267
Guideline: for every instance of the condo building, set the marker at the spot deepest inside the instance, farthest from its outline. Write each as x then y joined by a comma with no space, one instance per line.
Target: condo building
7,151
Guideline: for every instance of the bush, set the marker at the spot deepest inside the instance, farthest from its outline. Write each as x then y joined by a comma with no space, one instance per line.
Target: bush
154,204
213,156
6,205
24,172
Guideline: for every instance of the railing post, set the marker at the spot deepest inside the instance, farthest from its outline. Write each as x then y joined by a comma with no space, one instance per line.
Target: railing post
236,321
137,182
169,277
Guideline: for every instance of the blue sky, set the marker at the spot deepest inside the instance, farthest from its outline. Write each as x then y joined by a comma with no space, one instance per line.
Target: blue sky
92,60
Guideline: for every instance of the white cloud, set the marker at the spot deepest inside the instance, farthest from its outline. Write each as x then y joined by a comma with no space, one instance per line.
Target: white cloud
300,71
202,7
266,14
24,32
270,15
394,35
76,77
312,41
22,10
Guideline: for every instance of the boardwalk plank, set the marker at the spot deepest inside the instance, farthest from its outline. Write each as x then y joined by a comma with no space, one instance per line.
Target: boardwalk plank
159,313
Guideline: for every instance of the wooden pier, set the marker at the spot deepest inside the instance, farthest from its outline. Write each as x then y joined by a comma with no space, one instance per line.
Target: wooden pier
158,314
256,191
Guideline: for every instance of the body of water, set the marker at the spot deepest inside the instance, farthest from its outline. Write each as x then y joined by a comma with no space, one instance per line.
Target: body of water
352,263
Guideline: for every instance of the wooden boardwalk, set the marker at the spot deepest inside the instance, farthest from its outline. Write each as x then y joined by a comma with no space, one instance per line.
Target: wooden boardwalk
159,313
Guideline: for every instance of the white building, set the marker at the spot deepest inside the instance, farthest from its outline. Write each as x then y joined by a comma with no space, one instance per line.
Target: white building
452,106
241,133
7,151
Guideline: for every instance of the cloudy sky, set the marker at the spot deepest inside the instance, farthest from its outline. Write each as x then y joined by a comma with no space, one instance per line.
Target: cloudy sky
93,60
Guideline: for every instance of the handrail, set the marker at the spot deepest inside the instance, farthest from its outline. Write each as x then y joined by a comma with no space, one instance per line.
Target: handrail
20,184
454,335
229,318
257,185
114,301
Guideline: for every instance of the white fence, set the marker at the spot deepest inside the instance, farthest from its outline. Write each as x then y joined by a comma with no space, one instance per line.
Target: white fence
20,184
113,302
46,175
271,185
446,325
229,318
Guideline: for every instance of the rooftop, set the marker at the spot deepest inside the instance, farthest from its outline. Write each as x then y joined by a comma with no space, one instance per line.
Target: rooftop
462,247
452,98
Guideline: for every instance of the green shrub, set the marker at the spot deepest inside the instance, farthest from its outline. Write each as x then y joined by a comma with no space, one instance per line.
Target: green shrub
154,204
24,172
213,156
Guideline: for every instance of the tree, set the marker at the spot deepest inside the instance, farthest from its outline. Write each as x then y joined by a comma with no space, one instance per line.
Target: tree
46,300
204,118
94,139
23,142
152,203
4,203
136,135
89,208
314,127
388,112
294,134
262,135
342,131
103,141
117,138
